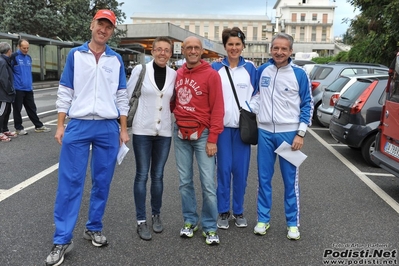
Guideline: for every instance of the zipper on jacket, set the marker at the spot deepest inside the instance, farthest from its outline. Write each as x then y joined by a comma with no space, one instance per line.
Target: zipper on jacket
272,102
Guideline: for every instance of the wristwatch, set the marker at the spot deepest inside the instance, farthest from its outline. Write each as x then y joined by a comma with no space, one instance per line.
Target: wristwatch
301,133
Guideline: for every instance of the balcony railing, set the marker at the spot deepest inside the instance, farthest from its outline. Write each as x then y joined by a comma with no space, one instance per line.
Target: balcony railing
308,21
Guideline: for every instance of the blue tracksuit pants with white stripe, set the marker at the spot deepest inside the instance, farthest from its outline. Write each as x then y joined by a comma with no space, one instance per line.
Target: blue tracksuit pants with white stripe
233,158
103,136
268,142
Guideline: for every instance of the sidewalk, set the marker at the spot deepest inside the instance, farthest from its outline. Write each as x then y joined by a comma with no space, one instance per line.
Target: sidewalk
45,84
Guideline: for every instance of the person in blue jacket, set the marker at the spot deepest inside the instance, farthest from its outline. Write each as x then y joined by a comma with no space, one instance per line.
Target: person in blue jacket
233,154
284,106
92,93
21,63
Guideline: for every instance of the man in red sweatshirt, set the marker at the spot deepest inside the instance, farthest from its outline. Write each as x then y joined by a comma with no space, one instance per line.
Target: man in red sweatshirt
199,111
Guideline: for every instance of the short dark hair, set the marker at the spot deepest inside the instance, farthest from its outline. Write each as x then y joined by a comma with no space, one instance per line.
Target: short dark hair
234,32
162,39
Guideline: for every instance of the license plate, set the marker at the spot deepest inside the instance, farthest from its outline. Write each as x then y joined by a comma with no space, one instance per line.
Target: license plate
336,113
392,150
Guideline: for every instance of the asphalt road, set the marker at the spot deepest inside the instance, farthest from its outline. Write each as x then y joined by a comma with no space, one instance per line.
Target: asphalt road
348,210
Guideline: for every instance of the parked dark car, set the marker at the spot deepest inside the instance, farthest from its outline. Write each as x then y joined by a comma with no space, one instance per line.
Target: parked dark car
322,75
386,153
357,115
333,91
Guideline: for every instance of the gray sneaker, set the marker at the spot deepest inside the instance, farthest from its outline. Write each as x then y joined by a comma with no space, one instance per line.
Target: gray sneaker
240,220
21,132
56,256
188,230
97,239
157,226
211,238
223,220
42,129
144,231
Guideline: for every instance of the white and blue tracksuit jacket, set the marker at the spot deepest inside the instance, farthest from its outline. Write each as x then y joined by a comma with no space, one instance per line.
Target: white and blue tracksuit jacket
284,105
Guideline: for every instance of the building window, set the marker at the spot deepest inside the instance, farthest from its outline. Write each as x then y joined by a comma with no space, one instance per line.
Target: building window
187,27
264,32
245,29
313,33
293,17
314,17
216,37
255,33
293,29
324,34
302,34
206,31
325,17
197,29
303,16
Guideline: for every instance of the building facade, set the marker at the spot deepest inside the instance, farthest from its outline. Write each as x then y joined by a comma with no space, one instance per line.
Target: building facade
310,22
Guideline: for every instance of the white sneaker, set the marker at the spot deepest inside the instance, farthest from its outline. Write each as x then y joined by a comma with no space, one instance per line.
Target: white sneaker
260,228
293,233
21,132
42,129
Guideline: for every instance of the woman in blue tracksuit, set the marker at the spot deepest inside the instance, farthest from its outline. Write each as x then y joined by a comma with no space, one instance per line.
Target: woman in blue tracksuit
284,106
233,155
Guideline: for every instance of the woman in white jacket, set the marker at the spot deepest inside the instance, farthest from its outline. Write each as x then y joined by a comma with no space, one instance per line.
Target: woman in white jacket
152,132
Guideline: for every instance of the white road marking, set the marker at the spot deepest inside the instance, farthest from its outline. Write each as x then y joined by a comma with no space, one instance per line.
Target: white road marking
362,176
4,194
379,174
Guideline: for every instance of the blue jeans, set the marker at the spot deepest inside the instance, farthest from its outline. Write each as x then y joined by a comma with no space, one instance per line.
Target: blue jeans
149,151
184,151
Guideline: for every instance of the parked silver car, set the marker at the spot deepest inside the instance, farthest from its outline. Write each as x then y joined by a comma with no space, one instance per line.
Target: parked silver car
332,93
323,75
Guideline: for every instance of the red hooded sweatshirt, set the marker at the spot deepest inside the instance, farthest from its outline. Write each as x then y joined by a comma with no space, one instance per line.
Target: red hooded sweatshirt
199,96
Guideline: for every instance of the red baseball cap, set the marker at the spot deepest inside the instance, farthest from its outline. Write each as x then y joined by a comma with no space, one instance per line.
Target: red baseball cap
106,13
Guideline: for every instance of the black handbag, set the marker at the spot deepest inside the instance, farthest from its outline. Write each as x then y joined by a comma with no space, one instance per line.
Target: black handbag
248,124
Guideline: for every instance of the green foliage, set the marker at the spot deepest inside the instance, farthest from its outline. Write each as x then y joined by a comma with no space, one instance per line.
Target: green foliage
67,19
374,33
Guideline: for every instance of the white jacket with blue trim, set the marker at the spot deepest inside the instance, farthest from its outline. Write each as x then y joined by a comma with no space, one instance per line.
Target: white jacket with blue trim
284,102
244,79
90,90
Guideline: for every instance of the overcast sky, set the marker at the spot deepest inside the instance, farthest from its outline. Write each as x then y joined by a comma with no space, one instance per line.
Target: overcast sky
236,7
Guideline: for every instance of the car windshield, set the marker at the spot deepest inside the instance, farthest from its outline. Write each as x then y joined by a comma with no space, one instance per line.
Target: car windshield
338,84
356,89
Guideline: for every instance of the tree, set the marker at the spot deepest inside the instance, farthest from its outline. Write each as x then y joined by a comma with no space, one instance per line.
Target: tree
66,19
374,33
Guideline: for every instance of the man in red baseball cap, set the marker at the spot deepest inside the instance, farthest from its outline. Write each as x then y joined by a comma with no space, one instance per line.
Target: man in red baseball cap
106,13
92,90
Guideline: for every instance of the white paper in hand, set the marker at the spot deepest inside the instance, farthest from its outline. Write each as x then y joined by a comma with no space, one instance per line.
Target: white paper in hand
122,152
294,157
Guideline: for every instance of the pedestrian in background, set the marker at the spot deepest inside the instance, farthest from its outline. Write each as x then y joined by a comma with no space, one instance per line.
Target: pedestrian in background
7,92
198,109
92,92
284,106
23,83
233,155
152,132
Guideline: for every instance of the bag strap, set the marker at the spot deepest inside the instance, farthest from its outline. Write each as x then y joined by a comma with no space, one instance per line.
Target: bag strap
233,88
137,88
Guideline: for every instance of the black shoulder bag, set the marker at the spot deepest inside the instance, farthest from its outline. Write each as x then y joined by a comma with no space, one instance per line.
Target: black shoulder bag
247,124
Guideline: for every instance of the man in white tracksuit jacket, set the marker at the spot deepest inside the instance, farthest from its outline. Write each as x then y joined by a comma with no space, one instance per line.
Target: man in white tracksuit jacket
284,105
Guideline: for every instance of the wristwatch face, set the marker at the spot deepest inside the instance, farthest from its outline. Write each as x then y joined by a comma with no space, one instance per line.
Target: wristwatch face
301,133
